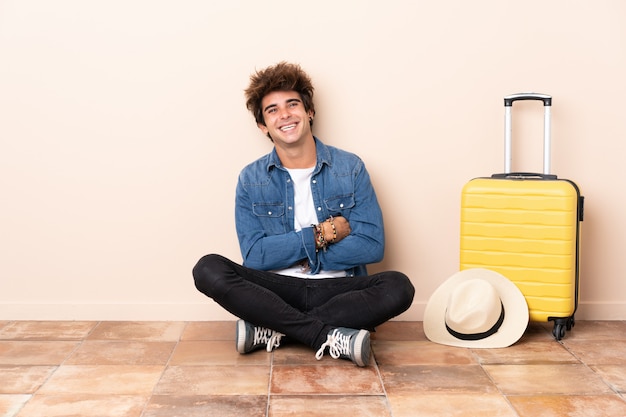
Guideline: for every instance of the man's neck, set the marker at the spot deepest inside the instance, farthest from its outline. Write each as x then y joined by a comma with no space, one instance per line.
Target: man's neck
303,156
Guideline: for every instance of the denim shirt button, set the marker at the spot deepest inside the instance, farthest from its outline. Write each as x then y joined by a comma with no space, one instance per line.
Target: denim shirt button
269,213
319,209
314,181
341,205
290,208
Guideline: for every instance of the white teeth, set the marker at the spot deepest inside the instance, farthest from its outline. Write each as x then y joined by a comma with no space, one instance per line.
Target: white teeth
289,127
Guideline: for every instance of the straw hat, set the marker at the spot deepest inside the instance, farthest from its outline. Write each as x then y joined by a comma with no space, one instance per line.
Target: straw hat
476,308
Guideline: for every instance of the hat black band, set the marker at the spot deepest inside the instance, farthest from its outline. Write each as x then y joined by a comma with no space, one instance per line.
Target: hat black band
479,336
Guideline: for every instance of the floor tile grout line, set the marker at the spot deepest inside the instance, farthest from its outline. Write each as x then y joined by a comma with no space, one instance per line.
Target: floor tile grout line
165,367
579,360
269,385
589,367
93,329
81,343
274,361
382,384
502,394
57,366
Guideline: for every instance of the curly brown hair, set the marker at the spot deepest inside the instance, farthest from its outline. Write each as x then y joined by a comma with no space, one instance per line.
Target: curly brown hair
283,76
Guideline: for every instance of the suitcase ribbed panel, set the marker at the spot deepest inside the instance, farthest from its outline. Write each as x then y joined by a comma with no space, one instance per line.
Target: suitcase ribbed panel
527,230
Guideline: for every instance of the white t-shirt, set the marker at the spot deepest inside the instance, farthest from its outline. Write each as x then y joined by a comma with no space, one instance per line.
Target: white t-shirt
304,216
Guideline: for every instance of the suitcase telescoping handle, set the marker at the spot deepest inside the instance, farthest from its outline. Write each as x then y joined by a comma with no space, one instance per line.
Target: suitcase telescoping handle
508,105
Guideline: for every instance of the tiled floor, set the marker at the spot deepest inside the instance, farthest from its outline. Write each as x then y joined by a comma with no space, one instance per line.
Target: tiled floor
163,369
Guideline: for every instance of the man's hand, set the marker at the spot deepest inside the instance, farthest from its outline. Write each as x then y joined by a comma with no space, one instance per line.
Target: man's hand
341,229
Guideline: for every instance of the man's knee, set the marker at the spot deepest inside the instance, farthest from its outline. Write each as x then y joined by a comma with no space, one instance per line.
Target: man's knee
405,291
206,273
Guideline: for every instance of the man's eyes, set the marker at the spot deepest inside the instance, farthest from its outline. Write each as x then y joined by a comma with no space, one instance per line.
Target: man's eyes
290,105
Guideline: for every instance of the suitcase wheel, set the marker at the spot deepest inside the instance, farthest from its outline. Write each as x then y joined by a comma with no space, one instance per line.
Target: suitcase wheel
570,323
562,324
558,331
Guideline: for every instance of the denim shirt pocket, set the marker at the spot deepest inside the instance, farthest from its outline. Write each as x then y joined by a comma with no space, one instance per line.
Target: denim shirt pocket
271,216
340,205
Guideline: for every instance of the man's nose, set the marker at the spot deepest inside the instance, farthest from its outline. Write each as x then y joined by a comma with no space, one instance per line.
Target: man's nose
283,113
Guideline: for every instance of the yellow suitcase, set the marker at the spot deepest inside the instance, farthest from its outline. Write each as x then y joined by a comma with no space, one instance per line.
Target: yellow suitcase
526,226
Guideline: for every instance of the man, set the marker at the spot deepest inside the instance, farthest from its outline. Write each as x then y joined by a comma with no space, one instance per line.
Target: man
308,221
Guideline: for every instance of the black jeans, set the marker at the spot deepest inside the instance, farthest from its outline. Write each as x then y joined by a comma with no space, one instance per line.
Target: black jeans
303,309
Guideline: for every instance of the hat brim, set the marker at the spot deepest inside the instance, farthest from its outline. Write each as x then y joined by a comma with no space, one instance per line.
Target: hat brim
515,307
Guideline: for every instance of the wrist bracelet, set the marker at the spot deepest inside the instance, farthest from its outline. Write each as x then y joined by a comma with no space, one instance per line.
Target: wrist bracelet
332,224
320,241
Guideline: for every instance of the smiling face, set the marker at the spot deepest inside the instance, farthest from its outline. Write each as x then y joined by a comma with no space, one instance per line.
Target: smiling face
287,122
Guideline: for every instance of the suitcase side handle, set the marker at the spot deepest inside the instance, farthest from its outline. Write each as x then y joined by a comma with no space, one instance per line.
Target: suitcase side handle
508,106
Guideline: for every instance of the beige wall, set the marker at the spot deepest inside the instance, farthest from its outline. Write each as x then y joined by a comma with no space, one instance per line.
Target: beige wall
123,128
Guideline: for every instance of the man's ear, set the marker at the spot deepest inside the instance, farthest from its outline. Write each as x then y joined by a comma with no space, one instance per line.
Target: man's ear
263,128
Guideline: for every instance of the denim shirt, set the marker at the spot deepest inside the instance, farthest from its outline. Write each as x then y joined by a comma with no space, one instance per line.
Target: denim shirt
341,186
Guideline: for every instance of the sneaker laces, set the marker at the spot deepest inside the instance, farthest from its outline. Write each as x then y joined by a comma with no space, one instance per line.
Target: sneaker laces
337,343
268,336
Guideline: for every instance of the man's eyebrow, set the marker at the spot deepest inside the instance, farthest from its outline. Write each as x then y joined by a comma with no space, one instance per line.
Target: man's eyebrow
291,100
269,107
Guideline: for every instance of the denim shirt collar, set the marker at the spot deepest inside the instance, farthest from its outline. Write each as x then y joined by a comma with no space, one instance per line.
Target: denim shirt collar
322,151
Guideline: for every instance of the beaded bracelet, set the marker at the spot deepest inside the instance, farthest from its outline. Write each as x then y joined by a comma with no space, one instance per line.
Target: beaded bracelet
332,224
320,241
